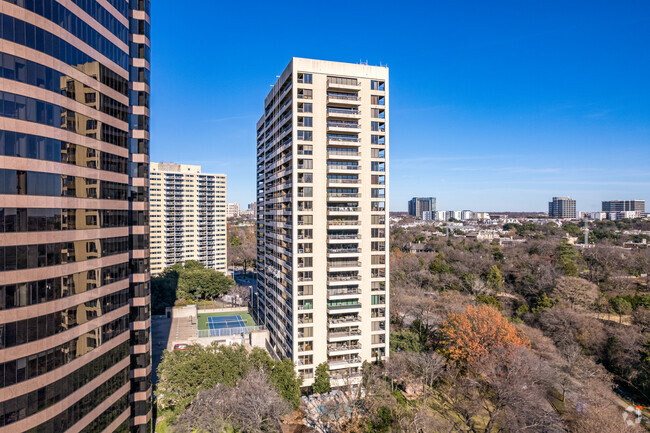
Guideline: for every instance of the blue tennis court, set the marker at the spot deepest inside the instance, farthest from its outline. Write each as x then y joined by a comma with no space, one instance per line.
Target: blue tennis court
222,322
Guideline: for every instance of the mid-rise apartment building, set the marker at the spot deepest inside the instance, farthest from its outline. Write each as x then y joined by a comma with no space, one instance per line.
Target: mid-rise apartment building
232,210
624,206
188,216
419,205
322,219
562,207
75,350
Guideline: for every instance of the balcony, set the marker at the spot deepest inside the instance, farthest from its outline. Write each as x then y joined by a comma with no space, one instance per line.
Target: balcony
342,196
344,308
348,335
343,278
343,182
339,322
342,154
344,225
343,210
343,83
344,113
352,236
343,99
336,126
343,168
336,293
346,363
342,349
343,139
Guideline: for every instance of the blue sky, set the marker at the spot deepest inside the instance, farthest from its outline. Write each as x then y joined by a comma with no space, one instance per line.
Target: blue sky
494,105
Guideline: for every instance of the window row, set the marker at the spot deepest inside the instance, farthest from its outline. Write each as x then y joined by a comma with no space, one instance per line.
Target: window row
16,220
108,416
57,185
37,328
84,406
49,149
35,74
37,292
40,399
34,110
102,16
40,40
25,34
39,255
38,364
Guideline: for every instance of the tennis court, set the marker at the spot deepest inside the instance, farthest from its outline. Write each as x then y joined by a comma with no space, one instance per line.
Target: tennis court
225,322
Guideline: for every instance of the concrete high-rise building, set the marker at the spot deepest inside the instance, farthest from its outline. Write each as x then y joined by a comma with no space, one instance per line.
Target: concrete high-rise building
624,206
322,221
418,205
75,351
188,216
562,207
232,210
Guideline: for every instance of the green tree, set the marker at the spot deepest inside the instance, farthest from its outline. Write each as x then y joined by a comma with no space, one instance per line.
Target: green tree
205,283
568,257
494,279
621,306
543,302
322,379
285,379
406,340
489,300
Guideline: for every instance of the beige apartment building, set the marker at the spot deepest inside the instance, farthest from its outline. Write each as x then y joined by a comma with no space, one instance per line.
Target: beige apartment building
322,216
188,216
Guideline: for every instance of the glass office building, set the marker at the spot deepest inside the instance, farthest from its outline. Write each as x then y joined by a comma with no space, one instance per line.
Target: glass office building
74,238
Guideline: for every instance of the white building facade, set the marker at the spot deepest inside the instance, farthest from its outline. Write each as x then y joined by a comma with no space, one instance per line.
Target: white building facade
322,220
188,216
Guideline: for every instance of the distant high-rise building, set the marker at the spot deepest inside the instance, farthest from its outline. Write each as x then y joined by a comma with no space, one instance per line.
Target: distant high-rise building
624,206
562,207
322,220
232,210
418,205
75,350
188,216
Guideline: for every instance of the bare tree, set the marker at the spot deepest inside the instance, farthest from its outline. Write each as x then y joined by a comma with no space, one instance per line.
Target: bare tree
253,406
576,292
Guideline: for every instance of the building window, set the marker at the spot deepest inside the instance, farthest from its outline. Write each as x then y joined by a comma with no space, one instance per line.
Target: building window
304,78
305,135
377,85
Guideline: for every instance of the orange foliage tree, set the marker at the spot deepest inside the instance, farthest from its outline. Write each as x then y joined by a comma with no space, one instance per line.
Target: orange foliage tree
471,335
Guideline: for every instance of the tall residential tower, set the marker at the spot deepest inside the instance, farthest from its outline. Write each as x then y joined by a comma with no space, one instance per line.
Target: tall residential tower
74,237
188,216
322,219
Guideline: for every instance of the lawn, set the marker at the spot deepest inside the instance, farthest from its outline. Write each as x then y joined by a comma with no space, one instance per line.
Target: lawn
203,317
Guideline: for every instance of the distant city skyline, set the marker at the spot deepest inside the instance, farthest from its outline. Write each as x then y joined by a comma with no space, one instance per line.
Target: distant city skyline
520,103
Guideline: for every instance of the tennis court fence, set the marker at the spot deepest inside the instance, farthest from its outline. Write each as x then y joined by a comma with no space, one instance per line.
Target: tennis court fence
225,332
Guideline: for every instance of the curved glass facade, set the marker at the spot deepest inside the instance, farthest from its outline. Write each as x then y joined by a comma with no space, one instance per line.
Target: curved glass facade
75,349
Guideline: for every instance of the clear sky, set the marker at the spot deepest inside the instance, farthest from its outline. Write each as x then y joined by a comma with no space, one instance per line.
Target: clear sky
494,105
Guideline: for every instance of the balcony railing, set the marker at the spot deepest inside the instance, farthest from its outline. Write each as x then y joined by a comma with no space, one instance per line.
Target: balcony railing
344,209
344,334
344,194
344,223
344,278
343,167
344,291
343,347
347,139
343,96
352,111
342,153
340,320
352,236
343,264
333,124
